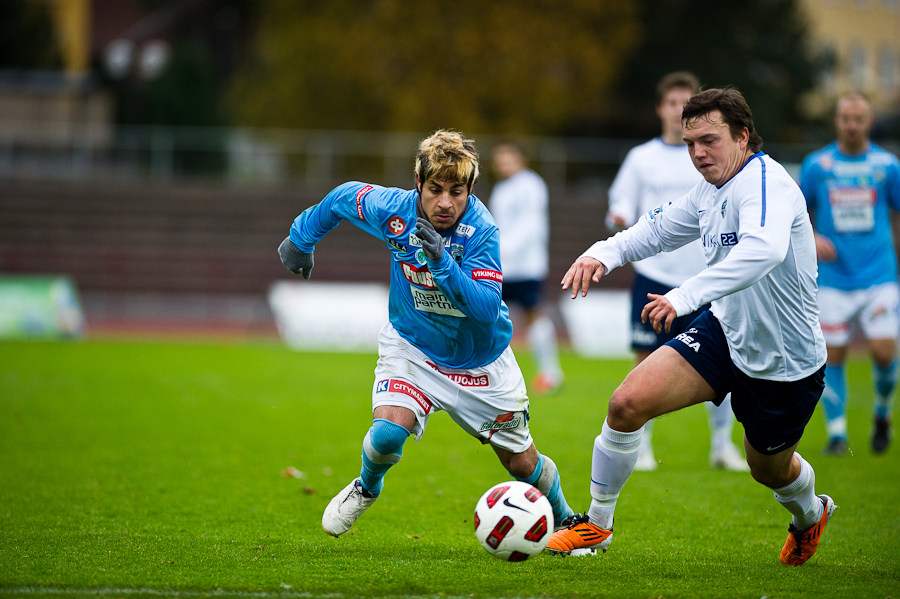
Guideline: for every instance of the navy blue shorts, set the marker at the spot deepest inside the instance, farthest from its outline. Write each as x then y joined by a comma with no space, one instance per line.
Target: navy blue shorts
525,293
643,337
774,413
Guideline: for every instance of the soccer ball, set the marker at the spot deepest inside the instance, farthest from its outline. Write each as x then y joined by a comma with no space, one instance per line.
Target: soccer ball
513,521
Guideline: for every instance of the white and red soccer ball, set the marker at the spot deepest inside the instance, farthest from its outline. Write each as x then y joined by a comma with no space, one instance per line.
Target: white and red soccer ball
513,521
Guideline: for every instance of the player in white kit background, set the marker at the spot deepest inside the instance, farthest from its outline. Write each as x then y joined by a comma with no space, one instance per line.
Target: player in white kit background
519,205
446,347
851,185
760,340
653,173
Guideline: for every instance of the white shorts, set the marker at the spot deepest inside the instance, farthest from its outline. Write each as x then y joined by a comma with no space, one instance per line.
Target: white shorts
489,403
874,310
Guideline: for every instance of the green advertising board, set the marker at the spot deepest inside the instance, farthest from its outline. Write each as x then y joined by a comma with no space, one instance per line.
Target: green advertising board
39,306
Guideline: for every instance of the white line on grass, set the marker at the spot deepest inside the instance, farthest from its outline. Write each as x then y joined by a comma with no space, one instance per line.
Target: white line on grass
286,593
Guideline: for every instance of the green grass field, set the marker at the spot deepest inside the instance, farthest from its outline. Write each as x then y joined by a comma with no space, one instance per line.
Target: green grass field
151,469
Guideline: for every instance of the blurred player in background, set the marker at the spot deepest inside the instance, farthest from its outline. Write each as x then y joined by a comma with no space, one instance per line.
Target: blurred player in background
760,340
446,346
519,206
850,186
654,173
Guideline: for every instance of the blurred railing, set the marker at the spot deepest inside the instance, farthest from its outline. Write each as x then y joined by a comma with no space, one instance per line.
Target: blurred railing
278,156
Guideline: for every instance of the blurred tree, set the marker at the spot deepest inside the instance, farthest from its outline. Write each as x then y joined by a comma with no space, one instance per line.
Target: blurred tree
185,91
760,47
512,66
27,37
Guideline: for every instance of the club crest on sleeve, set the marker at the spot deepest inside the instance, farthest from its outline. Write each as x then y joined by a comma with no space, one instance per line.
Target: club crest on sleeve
396,225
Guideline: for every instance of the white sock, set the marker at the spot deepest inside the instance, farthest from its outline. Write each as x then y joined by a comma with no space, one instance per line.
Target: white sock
613,462
647,437
542,340
799,497
721,423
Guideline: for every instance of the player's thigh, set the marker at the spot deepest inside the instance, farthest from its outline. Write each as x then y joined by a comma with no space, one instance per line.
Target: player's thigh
879,317
663,383
837,311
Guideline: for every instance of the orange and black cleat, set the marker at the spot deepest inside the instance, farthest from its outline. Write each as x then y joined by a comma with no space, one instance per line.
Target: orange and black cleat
579,537
802,544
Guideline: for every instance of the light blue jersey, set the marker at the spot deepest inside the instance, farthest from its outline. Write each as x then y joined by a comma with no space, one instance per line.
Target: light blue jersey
449,309
851,197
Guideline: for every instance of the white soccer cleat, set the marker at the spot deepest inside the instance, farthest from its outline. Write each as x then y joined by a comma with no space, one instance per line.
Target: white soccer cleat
345,508
728,458
646,461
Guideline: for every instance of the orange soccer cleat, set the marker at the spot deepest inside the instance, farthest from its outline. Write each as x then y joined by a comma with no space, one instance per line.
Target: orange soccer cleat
579,537
802,544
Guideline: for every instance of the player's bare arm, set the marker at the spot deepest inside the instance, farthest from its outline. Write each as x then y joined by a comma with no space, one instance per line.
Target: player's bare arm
660,312
825,250
581,273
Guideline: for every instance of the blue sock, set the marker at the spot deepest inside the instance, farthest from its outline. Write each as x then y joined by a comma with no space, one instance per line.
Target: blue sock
834,400
545,479
382,448
885,382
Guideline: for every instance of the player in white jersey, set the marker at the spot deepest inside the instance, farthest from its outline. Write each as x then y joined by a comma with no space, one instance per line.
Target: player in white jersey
519,206
851,186
760,340
656,172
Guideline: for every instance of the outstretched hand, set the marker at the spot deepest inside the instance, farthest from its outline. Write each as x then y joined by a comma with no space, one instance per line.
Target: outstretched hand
299,263
432,242
581,273
660,313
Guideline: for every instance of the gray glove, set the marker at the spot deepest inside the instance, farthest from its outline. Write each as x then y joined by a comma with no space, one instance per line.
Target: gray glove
299,263
432,242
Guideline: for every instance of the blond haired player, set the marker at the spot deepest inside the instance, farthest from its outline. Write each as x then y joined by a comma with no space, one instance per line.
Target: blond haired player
446,347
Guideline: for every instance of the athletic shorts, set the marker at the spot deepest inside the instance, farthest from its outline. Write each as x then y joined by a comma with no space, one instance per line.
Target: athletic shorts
773,413
525,293
643,337
490,403
874,310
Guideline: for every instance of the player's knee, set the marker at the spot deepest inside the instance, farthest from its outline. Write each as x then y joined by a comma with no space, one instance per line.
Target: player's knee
626,413
384,442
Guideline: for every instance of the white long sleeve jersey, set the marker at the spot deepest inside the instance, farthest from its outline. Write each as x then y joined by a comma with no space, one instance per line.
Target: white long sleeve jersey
519,207
655,173
761,257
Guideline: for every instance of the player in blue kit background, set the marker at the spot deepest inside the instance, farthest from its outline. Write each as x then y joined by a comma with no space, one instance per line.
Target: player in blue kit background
446,346
850,186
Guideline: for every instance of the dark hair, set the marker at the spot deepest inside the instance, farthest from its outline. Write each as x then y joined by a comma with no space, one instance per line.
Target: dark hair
733,107
677,79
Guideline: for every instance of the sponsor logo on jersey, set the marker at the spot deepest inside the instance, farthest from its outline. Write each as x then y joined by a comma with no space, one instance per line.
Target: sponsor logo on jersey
729,239
689,341
434,302
725,203
500,423
359,196
724,239
416,242
397,225
484,273
462,379
418,275
397,246
399,386
465,230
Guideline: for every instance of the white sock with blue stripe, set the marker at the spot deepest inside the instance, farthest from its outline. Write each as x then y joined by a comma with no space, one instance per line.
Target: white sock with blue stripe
613,462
